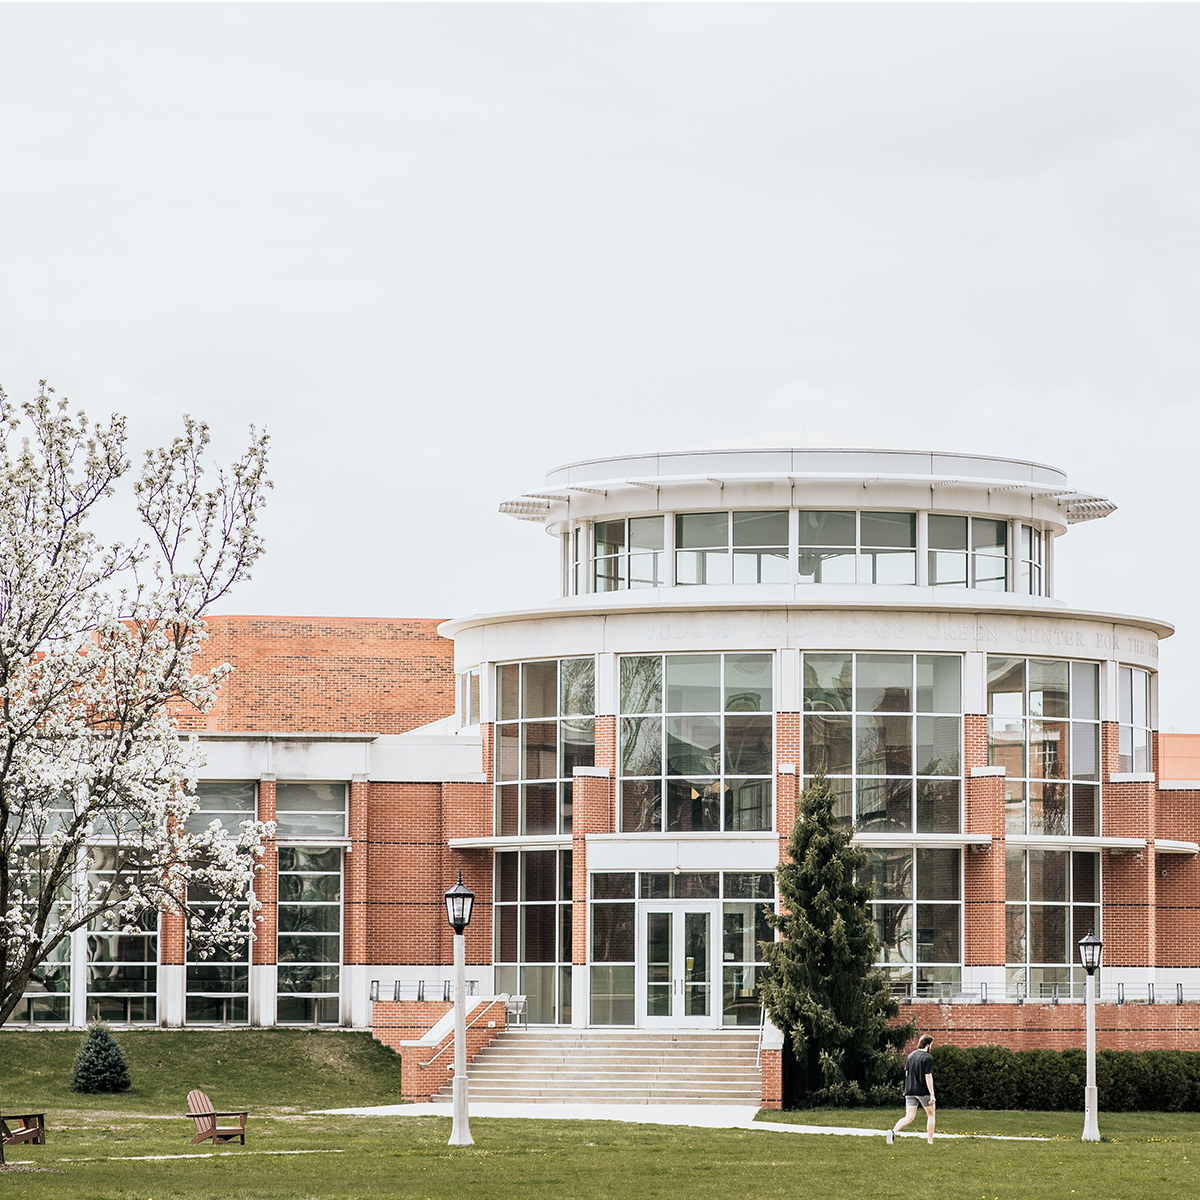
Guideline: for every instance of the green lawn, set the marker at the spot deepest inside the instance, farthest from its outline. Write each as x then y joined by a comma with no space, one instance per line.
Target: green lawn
98,1146
1117,1127
277,1070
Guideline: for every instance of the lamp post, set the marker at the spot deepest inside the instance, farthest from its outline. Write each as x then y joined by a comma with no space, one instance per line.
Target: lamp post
459,901
1089,955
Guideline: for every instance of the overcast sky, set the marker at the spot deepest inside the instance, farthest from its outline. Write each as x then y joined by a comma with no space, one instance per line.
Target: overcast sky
438,250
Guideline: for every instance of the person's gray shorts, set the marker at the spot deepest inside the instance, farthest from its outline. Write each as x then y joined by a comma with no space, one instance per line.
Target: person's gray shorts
923,1101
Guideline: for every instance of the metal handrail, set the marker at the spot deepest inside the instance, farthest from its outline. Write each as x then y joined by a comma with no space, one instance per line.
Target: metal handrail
471,1022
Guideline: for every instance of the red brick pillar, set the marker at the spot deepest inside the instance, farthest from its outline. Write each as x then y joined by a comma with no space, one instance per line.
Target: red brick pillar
354,932
172,935
788,784
983,869
593,810
266,882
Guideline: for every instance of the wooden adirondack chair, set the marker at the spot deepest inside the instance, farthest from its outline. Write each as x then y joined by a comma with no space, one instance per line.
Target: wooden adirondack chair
200,1110
29,1128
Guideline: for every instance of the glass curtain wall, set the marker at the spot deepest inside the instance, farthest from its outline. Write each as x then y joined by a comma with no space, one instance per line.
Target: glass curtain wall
532,914
218,984
1134,737
1044,729
1052,899
731,547
545,728
886,729
628,554
47,1000
745,896
853,547
613,948
309,942
122,957
917,908
836,546
696,742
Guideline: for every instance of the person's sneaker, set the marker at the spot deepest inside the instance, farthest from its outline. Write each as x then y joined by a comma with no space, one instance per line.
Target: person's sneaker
890,1137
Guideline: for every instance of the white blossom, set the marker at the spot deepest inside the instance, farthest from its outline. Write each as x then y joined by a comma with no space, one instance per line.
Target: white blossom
97,645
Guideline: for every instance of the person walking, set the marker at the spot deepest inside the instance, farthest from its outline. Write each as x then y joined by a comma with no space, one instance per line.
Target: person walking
918,1089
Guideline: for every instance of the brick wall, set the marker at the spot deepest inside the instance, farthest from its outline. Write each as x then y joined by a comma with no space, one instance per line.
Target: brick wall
326,675
405,913
1058,1026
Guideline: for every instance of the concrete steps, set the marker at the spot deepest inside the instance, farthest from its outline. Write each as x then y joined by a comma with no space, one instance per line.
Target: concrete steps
599,1066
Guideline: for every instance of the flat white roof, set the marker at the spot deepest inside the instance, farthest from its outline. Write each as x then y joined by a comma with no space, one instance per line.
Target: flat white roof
687,469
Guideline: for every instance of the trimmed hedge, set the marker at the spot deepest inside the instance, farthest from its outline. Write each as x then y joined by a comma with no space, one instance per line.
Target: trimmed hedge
1053,1081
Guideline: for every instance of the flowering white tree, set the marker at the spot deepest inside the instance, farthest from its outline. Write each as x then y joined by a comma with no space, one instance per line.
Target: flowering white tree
97,644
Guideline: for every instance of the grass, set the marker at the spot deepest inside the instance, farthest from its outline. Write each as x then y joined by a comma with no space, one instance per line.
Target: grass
275,1070
98,1145
1115,1127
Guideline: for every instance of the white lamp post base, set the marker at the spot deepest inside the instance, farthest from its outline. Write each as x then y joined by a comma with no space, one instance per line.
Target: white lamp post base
1091,1131
460,1132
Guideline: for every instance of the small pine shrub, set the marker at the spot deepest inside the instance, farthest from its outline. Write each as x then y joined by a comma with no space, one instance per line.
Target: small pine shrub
100,1065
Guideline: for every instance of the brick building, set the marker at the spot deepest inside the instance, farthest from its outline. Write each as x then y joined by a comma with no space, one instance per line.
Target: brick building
616,771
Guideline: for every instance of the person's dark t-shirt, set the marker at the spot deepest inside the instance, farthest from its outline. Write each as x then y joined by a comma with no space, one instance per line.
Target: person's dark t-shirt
919,1064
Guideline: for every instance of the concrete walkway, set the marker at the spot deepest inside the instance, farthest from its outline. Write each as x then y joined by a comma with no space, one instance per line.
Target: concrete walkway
700,1116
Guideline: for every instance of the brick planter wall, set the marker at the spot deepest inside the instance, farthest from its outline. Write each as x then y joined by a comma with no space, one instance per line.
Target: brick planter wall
395,1022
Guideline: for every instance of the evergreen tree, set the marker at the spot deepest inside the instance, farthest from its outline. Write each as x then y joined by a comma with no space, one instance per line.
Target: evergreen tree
100,1065
823,989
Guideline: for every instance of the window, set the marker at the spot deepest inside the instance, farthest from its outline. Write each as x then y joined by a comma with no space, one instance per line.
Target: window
1133,701
613,947
122,955
310,935
970,552
1031,561
888,548
852,547
47,999
886,729
629,554
696,742
229,803
310,811
744,927
545,728
533,932
1052,899
468,701
1044,729
917,907
218,985
724,547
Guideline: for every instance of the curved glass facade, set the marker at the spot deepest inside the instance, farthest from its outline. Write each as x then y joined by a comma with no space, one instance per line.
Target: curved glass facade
808,546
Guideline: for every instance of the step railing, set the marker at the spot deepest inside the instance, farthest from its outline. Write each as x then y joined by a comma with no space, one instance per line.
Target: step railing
475,1018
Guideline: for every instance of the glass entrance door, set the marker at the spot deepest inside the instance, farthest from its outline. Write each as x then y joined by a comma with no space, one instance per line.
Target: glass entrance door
677,966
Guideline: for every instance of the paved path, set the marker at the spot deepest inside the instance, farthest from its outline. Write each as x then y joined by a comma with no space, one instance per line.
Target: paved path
703,1116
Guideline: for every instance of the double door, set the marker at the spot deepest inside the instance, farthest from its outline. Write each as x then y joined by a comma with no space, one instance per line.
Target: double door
678,965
